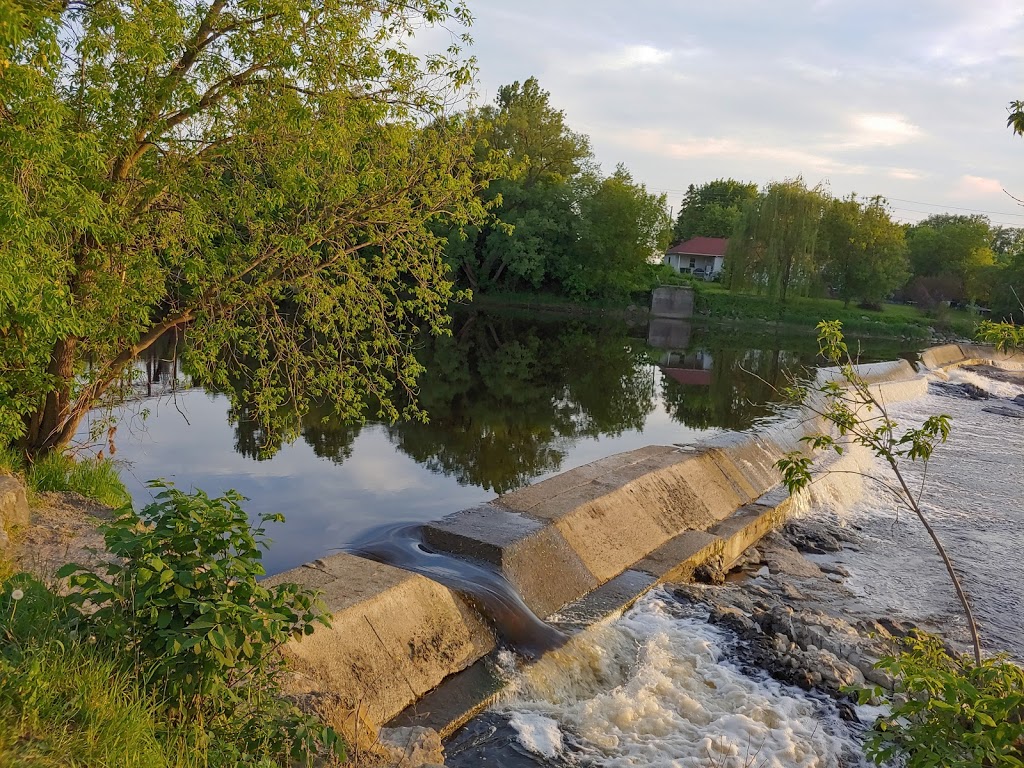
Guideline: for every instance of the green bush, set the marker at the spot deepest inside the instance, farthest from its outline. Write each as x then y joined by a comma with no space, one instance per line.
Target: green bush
949,711
95,479
173,663
184,610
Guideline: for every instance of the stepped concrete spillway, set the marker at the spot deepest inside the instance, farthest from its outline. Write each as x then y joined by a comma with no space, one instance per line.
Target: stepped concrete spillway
404,650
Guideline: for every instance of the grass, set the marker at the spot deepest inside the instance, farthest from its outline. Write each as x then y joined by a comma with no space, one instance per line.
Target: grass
894,320
64,703
96,479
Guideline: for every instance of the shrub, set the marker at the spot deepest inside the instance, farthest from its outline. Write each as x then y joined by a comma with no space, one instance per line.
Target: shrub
1001,335
184,611
949,711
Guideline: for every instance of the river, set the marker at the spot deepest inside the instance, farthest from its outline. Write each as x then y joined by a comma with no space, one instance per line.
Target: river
662,687
512,399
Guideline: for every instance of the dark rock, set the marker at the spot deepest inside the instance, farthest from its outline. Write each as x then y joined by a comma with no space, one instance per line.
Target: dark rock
964,390
710,572
1012,411
811,540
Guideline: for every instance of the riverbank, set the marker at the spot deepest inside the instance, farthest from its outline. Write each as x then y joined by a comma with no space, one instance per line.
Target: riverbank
797,315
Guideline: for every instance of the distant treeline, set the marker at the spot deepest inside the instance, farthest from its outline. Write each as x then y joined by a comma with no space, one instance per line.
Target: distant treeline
790,239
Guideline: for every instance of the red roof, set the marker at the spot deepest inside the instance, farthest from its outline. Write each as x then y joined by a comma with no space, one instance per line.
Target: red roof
689,375
701,246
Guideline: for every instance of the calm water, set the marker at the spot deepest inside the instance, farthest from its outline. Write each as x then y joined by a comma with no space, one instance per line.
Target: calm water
512,400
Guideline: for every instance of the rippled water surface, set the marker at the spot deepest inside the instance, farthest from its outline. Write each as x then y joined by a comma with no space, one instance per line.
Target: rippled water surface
973,492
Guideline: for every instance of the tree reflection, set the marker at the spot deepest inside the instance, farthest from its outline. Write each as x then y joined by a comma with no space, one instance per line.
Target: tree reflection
508,397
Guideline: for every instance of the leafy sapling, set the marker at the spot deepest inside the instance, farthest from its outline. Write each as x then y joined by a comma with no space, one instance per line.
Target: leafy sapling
856,416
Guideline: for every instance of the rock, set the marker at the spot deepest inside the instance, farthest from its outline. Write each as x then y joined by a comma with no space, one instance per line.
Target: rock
792,593
834,568
735,619
13,506
709,573
1011,411
412,747
812,540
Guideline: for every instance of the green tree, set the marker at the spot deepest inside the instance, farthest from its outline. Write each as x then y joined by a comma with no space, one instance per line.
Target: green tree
955,247
712,209
775,250
864,249
532,202
267,176
621,226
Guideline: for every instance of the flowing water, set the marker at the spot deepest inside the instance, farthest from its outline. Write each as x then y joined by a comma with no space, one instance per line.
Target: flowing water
662,687
973,493
657,687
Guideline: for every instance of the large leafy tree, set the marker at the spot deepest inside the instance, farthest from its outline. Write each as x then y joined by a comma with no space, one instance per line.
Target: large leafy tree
621,227
775,250
955,248
266,174
712,209
533,200
864,249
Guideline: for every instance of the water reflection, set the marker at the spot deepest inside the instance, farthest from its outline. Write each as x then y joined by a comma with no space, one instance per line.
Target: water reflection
511,400
507,399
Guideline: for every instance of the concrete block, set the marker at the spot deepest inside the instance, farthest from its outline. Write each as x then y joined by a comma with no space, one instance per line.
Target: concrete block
394,636
631,510
676,559
942,356
746,527
672,301
534,556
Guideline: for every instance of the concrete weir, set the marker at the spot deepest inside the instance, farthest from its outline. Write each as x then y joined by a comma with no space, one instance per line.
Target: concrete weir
404,650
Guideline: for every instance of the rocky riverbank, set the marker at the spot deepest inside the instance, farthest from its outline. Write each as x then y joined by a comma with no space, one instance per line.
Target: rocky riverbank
787,603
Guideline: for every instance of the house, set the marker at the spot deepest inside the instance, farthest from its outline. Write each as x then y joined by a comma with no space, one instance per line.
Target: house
699,256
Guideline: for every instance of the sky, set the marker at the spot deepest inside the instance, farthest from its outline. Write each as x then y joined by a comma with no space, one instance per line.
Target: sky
903,98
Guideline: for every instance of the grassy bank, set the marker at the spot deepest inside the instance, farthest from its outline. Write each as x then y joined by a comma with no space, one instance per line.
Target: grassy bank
798,314
897,320
93,478
163,653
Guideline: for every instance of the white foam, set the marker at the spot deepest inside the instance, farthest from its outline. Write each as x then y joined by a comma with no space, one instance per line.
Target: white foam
537,733
653,689
992,386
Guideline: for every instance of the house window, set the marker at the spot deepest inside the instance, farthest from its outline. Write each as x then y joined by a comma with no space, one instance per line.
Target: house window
693,262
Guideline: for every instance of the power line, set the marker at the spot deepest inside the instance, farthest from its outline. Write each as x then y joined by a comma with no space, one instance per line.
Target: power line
725,196
954,207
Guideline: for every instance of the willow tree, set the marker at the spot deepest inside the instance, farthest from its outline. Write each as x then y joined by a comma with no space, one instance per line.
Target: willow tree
265,174
774,250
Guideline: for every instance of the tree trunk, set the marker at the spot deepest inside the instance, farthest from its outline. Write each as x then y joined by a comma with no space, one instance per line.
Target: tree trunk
49,426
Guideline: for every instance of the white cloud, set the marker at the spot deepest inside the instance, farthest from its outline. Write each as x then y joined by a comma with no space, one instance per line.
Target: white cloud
904,174
795,161
874,129
979,186
634,57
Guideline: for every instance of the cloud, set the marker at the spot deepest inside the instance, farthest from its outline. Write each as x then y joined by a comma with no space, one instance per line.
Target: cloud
795,160
904,174
874,129
634,57
979,186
